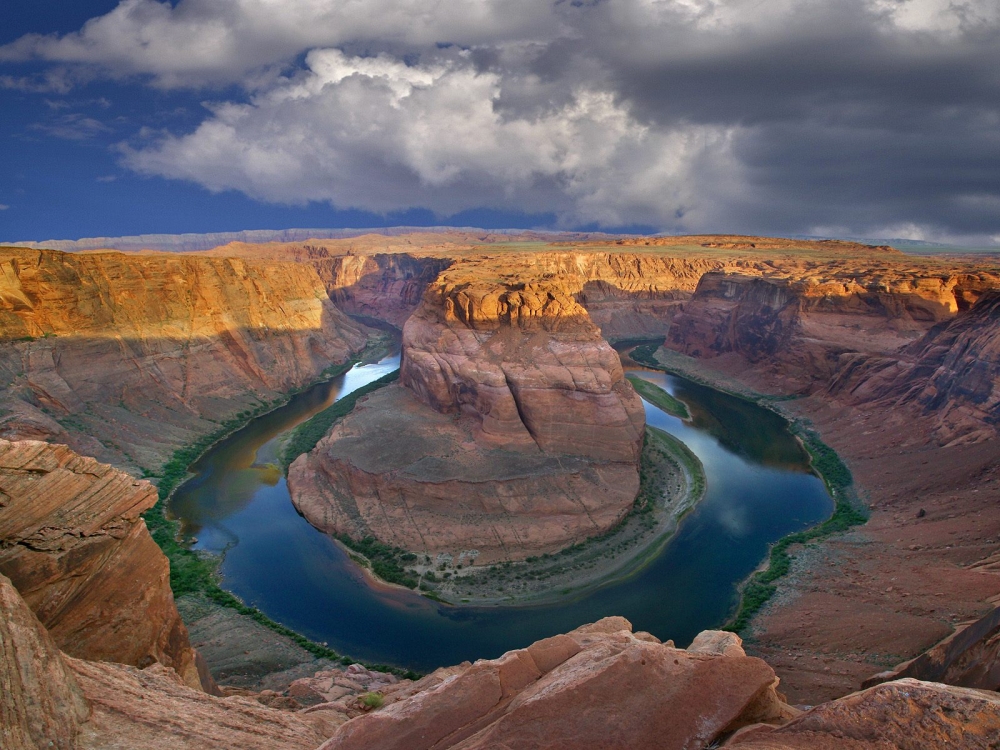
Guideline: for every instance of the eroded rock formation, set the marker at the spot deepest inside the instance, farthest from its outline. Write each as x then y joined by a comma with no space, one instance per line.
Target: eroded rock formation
602,686
513,432
73,543
809,321
128,357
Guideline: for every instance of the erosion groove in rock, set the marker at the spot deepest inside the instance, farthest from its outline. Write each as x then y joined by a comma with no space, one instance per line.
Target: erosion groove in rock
75,546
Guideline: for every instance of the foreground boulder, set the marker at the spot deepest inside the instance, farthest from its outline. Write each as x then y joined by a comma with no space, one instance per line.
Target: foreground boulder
73,543
600,686
906,714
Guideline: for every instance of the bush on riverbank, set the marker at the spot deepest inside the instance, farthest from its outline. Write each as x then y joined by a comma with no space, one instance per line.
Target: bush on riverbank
304,437
387,562
659,397
760,588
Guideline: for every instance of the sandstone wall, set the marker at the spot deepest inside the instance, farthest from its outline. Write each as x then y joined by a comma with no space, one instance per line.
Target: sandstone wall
128,357
807,321
73,543
951,374
528,363
383,286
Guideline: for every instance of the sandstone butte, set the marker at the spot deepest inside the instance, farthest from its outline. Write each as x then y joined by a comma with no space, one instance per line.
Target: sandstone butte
892,358
513,431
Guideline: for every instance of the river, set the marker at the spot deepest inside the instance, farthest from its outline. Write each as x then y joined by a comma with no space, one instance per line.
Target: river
759,488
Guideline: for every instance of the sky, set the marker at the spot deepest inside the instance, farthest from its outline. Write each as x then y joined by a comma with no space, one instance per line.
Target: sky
863,118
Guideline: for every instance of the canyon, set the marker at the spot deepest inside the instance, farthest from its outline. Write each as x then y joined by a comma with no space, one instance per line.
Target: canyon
512,432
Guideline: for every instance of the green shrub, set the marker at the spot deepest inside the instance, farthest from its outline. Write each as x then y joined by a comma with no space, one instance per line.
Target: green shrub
386,560
371,701
304,438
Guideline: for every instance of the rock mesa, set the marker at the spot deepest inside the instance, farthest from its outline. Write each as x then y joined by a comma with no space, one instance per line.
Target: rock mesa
513,431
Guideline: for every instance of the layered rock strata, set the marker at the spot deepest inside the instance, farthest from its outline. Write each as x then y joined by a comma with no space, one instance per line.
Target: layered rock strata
128,357
808,325
952,373
50,700
73,543
513,432
381,286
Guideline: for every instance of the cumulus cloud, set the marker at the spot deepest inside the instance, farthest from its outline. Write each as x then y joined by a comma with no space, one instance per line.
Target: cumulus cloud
689,115
378,134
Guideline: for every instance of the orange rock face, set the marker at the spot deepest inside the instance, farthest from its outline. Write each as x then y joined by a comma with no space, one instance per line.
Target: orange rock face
809,321
902,714
528,363
128,357
74,545
951,374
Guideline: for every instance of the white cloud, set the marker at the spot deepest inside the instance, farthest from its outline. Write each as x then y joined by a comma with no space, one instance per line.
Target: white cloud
380,135
199,42
750,115
4,207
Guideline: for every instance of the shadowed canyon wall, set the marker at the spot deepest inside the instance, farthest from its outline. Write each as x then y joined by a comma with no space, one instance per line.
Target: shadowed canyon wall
128,357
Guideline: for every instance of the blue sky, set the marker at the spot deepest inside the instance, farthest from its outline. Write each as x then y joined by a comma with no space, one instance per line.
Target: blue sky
64,178
877,118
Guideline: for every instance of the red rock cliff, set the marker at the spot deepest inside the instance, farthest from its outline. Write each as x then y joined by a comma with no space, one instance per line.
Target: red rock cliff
73,543
527,361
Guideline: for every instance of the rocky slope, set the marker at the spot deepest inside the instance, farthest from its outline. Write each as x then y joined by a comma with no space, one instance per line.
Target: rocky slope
513,432
599,686
951,373
126,358
73,543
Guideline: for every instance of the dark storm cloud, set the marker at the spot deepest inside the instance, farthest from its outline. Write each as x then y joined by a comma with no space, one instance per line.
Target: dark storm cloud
785,116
